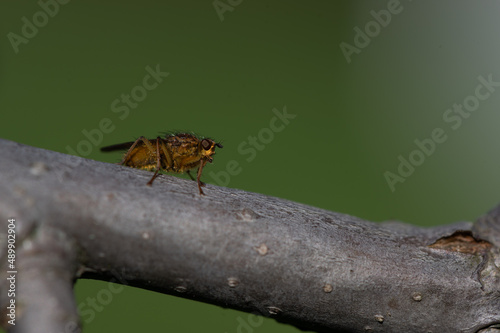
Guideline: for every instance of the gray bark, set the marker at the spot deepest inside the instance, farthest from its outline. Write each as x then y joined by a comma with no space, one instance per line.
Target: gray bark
315,269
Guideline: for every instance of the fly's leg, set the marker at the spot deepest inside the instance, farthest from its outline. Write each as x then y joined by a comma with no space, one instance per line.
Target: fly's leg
200,168
168,155
153,178
190,175
192,178
158,161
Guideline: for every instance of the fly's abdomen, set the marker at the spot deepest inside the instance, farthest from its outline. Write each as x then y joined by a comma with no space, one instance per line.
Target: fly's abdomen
141,158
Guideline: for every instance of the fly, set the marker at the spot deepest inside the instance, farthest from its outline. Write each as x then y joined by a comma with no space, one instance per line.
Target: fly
175,153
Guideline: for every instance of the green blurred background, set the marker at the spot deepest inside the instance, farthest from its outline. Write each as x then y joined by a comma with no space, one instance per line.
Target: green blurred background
228,69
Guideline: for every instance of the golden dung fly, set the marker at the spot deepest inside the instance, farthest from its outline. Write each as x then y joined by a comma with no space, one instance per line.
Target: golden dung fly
175,153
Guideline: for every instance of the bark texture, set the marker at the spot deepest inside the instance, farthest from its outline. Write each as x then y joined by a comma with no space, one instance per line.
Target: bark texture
318,270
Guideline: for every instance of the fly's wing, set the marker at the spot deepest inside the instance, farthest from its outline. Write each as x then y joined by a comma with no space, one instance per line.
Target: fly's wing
119,146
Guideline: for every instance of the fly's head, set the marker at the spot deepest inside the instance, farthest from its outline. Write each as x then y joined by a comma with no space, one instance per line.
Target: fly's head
206,149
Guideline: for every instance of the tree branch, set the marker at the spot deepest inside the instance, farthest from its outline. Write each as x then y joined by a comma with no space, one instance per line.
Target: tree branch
315,269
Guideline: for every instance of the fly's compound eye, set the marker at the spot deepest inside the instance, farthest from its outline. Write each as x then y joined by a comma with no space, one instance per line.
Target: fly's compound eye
205,144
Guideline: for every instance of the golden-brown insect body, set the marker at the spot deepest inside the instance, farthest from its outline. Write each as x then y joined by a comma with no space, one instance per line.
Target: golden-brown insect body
174,153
